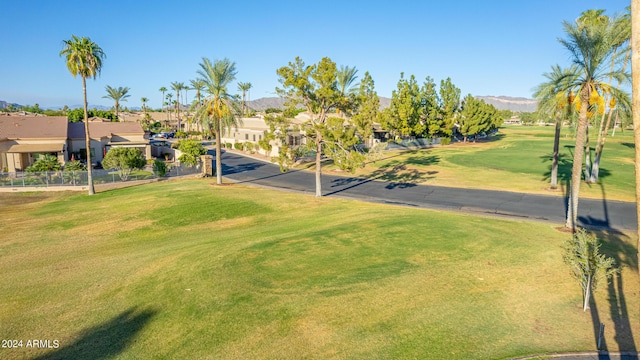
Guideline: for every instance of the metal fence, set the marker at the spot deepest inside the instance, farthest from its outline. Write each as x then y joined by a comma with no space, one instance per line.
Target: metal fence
79,178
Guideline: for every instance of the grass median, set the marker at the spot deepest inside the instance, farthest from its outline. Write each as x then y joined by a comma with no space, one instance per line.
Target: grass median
185,269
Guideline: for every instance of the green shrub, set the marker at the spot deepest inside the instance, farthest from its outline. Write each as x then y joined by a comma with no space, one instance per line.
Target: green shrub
181,134
238,146
159,168
75,165
191,151
248,146
45,163
124,160
228,145
445,141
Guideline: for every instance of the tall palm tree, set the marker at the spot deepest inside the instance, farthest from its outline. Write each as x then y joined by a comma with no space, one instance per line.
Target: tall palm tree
621,33
244,87
84,58
163,90
144,104
178,86
635,71
217,113
554,99
168,103
117,95
590,47
345,77
198,85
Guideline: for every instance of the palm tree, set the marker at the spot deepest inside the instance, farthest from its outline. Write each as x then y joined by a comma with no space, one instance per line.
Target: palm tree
621,32
163,90
635,71
555,102
216,114
198,85
590,47
84,58
168,103
178,86
345,77
144,104
117,95
244,87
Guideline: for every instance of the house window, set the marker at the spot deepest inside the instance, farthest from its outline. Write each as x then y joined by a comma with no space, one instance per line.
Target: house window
246,136
254,137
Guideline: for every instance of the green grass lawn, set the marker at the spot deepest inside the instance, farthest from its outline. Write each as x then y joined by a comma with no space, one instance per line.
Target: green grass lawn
517,159
184,269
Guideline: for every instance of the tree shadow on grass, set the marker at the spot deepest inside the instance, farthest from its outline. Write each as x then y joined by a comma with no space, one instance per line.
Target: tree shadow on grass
106,340
396,174
628,144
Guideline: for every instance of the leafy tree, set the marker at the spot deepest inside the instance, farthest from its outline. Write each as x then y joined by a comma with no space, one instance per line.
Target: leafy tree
191,151
402,117
244,87
117,95
477,117
44,163
217,113
159,168
124,160
430,110
84,58
77,115
588,266
368,111
279,127
315,87
590,45
449,105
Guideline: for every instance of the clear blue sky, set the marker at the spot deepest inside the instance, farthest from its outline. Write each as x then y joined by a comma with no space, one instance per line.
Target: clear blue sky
492,47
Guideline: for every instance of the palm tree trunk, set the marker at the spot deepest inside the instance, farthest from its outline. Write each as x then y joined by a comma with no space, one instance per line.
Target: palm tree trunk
92,191
319,166
578,154
595,170
587,155
218,156
554,163
635,89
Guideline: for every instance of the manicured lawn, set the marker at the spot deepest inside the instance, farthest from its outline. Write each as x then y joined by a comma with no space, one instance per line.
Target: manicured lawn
517,159
185,269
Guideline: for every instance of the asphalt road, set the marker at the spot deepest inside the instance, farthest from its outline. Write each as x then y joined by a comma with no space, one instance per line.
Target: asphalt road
612,215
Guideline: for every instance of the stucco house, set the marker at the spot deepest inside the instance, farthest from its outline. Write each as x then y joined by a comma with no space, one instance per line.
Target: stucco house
24,138
104,136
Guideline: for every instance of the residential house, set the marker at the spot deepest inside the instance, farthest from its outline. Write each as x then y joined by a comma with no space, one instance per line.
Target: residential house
25,138
104,136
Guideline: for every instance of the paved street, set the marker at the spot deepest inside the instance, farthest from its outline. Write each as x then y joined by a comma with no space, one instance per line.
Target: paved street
614,215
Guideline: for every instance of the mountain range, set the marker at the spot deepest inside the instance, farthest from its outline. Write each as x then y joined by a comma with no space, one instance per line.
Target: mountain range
516,104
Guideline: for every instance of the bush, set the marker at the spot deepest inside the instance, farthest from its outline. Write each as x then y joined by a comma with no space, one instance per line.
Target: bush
124,160
238,146
228,145
45,163
248,146
159,168
181,134
75,165
445,141
191,151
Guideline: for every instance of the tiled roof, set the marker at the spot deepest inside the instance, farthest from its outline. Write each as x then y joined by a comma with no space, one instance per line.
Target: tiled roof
32,127
98,130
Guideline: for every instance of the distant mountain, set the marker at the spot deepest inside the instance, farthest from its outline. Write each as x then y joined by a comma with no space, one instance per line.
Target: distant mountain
278,103
517,104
